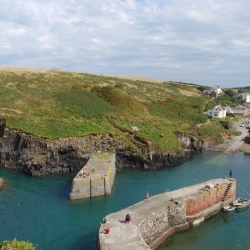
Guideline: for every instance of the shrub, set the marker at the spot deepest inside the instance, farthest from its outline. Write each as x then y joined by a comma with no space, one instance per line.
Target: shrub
230,92
16,245
210,105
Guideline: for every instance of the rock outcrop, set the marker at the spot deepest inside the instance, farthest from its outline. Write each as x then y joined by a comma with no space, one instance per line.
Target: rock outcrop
38,156
195,144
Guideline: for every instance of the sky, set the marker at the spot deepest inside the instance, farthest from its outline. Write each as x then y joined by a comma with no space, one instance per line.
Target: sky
206,42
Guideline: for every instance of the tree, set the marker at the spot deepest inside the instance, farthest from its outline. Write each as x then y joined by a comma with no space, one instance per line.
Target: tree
210,105
241,99
229,92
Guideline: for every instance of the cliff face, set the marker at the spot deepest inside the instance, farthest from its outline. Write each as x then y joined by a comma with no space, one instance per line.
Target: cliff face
195,144
36,156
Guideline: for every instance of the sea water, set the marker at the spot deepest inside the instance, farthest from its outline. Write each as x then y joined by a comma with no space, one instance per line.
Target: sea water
37,209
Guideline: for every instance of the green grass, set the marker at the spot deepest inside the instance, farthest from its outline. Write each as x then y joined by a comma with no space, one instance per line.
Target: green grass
59,104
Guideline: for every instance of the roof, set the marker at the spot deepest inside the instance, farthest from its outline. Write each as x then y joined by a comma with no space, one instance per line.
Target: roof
239,108
228,108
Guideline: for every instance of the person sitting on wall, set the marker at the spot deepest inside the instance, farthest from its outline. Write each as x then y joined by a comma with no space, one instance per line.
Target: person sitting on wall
128,219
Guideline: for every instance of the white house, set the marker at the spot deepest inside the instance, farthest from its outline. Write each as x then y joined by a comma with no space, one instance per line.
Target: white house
245,96
217,112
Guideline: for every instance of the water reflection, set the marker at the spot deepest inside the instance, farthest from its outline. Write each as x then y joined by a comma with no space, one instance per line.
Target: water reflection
194,234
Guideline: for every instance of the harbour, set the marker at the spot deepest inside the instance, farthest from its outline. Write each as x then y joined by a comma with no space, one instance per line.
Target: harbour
45,216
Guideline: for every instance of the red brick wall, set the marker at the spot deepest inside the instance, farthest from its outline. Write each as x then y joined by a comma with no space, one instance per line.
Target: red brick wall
204,200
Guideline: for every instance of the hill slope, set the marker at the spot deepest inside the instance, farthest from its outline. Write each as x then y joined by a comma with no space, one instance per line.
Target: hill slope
56,104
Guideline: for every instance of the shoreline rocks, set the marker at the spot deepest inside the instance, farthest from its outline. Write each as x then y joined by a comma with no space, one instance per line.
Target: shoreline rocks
40,156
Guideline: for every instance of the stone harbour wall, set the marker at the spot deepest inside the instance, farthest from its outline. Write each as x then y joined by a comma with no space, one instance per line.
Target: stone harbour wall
101,173
206,199
160,222
153,221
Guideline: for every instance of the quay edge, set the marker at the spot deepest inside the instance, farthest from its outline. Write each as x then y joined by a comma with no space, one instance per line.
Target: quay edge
153,221
99,182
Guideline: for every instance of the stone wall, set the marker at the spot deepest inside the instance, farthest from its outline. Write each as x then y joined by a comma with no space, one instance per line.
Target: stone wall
229,124
204,200
247,139
164,214
99,182
160,222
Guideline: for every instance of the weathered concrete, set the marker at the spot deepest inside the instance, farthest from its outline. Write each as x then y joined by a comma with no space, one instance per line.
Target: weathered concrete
164,214
100,179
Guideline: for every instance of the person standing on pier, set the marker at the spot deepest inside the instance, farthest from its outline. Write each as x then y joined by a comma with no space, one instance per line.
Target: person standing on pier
147,196
230,173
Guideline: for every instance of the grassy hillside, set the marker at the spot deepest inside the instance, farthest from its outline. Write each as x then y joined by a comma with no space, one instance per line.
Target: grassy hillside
56,103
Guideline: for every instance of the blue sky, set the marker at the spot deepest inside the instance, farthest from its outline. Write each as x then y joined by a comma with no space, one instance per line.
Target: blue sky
206,42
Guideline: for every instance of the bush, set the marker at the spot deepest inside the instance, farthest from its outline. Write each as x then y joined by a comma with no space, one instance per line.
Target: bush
210,105
16,245
230,92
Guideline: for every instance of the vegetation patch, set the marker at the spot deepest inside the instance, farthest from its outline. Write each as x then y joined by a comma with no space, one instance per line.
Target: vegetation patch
16,245
56,104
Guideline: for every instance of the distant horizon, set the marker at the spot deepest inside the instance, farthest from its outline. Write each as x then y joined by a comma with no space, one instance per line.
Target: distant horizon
37,70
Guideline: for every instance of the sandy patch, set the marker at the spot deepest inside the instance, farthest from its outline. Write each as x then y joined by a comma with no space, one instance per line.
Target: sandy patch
22,69
245,148
188,93
39,70
134,78
13,110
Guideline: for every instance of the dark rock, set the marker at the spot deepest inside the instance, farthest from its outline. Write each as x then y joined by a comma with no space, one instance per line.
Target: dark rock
38,156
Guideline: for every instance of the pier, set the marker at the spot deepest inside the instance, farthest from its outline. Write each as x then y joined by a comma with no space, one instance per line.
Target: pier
96,178
153,221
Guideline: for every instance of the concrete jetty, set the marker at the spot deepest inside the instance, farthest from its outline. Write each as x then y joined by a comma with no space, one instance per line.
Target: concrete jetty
153,221
96,178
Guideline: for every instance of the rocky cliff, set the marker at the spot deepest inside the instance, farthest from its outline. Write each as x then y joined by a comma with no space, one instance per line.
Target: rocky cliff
38,156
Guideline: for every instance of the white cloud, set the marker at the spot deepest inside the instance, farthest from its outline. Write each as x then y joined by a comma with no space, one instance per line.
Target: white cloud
205,42
18,31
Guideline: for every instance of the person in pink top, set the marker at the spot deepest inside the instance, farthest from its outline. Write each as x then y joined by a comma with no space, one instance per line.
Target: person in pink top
147,196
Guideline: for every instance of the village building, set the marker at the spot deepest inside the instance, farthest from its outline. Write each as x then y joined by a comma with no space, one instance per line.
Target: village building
214,92
217,112
245,96
229,110
240,110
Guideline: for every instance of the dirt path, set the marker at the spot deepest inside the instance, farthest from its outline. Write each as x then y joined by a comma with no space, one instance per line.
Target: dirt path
235,144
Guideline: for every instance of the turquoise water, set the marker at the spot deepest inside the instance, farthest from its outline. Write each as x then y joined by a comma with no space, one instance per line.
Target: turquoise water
38,210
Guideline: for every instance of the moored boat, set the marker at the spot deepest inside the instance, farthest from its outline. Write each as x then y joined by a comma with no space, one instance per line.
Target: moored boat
229,208
241,203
